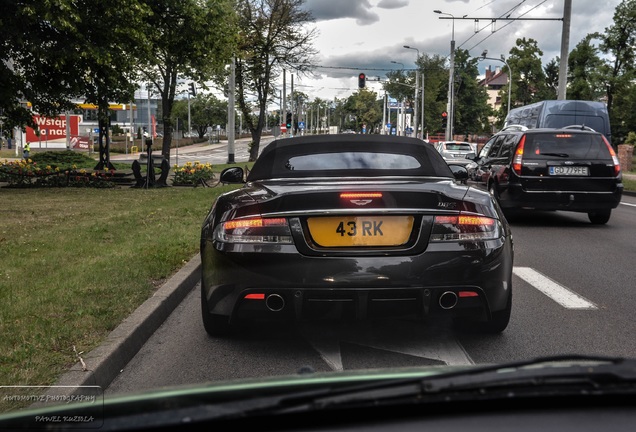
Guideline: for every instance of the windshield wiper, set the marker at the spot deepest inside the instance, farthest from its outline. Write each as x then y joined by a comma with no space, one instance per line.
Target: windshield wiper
560,375
554,376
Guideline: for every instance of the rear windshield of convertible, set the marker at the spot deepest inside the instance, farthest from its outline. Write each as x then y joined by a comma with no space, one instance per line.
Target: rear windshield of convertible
351,161
348,156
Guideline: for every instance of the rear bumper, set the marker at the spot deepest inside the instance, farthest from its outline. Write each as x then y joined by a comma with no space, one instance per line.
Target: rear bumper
515,196
289,286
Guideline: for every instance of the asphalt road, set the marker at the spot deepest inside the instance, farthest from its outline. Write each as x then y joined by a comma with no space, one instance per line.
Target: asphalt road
573,293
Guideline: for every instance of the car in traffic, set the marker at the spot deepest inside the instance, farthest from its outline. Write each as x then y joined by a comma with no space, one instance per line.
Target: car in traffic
455,151
574,168
354,227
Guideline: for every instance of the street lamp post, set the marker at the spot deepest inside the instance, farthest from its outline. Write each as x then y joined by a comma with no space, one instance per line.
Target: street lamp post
451,80
402,111
502,59
417,84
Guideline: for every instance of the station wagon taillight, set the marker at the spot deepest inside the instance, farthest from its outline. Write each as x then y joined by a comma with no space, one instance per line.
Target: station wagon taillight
617,165
518,157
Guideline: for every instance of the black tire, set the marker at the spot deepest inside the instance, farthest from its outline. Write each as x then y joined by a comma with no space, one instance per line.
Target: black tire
214,325
599,217
497,324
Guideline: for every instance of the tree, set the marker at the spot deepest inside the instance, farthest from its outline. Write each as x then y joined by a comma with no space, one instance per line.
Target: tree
54,52
273,36
528,76
551,71
619,42
584,64
471,99
192,39
107,43
205,110
434,75
366,108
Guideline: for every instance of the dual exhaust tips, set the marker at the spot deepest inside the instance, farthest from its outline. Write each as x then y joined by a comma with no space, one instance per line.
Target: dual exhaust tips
276,303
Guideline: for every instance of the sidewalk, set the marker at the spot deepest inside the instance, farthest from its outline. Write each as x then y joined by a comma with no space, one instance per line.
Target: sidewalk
193,148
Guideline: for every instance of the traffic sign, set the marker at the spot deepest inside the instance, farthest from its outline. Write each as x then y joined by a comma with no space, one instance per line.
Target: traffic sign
283,128
301,125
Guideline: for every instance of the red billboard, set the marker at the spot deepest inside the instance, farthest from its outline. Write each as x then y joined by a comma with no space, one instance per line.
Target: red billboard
53,129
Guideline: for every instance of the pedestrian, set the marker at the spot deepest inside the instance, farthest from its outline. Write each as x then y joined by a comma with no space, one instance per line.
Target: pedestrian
26,151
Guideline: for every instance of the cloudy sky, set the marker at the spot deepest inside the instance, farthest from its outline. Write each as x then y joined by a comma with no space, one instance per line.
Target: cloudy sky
367,35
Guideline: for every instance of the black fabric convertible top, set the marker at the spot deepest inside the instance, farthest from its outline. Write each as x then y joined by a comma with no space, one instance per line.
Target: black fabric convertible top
274,160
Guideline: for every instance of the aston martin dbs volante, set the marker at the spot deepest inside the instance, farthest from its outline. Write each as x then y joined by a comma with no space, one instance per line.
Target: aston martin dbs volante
354,227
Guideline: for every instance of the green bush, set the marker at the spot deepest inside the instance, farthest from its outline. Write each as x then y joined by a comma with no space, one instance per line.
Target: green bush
63,159
631,138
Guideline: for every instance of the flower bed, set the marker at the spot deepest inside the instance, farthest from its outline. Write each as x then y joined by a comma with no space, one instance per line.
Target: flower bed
27,173
192,174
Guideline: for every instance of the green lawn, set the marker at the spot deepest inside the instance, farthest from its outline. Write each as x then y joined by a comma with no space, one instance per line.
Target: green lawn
76,262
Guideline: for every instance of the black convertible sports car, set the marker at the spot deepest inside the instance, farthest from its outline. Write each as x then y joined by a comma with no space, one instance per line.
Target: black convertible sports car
354,226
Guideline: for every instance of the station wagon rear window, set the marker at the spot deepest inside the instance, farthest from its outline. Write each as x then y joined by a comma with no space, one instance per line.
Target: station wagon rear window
565,145
351,161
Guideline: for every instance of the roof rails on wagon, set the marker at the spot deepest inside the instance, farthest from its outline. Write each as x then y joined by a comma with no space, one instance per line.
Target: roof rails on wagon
516,127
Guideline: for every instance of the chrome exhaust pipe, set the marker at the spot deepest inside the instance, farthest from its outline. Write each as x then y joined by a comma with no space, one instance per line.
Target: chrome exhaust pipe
448,300
275,302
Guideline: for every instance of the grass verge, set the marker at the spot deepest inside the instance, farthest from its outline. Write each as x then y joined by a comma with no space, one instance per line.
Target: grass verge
76,262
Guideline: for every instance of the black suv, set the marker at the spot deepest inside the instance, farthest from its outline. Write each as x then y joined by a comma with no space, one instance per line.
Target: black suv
572,169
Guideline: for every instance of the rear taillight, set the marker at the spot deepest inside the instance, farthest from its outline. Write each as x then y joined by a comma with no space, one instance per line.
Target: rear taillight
617,164
254,230
518,157
464,227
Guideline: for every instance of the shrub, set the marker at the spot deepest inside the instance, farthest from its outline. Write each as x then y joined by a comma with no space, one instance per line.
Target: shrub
193,174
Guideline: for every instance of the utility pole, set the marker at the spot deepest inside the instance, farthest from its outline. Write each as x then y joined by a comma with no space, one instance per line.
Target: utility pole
231,113
565,46
284,117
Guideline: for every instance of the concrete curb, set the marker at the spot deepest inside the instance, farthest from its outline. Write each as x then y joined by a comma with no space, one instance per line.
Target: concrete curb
105,362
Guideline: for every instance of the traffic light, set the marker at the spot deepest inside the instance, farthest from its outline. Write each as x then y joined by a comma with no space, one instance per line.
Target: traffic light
193,89
288,122
362,79
444,119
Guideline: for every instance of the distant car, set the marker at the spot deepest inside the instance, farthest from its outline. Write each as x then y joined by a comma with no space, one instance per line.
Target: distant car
455,151
354,227
571,169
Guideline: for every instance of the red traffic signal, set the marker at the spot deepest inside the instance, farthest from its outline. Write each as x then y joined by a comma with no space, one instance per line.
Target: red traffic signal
444,114
362,79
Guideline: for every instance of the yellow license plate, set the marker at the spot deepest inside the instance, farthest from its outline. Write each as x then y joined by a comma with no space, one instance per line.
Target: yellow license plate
360,230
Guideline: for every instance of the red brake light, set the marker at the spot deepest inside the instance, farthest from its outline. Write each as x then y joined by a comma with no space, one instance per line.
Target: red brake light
617,165
254,223
254,230
464,227
518,157
360,195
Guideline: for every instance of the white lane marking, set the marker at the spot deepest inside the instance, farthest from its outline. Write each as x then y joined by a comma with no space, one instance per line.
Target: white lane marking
556,292
628,204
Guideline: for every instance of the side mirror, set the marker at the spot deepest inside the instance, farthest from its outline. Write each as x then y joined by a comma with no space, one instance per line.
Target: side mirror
232,175
459,172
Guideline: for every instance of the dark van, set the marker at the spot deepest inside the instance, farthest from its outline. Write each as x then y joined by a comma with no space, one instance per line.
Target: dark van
560,113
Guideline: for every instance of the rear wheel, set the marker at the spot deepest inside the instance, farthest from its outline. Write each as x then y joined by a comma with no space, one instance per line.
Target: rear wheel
214,325
599,217
498,322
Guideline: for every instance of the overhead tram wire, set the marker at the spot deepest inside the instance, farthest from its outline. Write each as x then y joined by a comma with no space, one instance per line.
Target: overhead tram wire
506,15
511,20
